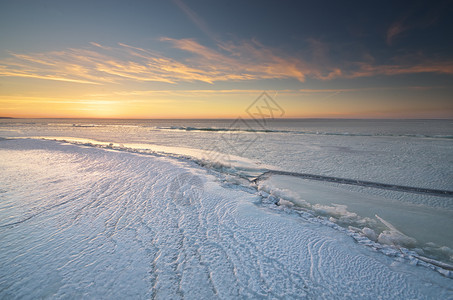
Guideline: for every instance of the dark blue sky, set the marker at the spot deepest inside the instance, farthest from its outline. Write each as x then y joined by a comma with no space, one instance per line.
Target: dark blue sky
398,49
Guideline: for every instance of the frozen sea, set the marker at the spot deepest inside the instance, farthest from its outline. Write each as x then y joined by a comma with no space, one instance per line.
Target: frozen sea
169,209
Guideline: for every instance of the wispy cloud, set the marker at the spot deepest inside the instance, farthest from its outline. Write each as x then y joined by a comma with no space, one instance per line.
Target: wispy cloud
239,61
100,64
252,60
394,30
419,15
199,22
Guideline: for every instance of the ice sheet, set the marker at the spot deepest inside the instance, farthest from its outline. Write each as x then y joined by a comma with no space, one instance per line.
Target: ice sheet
84,222
401,224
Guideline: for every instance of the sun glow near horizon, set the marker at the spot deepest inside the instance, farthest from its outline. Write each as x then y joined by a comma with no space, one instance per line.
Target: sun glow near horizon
203,108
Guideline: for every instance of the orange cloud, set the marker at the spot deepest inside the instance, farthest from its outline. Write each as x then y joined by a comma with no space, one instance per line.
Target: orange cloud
243,61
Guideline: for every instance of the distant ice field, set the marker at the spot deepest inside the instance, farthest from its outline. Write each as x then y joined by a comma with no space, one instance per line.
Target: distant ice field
84,221
405,152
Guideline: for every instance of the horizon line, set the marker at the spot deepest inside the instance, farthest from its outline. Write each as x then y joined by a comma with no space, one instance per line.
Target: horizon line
239,117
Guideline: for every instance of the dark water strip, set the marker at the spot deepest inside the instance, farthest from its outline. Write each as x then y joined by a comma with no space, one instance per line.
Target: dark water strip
386,186
252,130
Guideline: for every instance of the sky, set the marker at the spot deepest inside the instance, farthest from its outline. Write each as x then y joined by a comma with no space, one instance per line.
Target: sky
213,59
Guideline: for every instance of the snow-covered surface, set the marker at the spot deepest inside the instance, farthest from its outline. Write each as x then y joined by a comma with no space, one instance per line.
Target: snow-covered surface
205,157
84,222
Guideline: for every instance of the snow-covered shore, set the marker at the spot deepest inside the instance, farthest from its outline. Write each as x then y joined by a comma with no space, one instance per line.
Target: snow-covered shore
84,222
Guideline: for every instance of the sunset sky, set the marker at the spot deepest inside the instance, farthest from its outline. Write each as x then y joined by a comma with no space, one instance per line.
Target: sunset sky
211,59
